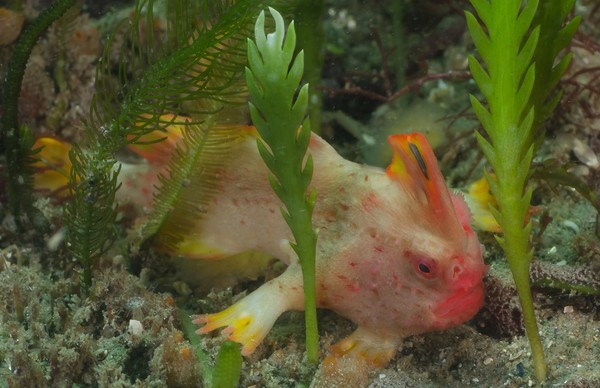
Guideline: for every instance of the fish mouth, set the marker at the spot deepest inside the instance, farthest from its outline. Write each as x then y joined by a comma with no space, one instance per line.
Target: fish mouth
461,306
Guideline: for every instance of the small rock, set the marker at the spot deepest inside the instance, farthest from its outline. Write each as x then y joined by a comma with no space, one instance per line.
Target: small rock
571,225
135,327
11,23
568,310
585,154
514,356
520,370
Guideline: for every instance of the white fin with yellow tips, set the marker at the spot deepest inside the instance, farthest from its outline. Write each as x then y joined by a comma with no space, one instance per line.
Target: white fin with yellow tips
249,320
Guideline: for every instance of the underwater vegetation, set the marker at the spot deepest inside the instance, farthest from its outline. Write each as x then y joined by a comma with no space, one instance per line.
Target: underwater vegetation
91,301
282,123
519,48
16,141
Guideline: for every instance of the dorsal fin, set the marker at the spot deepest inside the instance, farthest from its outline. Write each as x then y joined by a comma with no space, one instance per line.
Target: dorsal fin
188,183
415,167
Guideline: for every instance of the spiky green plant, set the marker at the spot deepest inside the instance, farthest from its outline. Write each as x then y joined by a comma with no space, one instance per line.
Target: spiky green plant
519,45
278,111
196,70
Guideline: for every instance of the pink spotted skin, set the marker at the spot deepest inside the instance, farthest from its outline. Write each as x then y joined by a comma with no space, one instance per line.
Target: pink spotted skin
395,253
375,278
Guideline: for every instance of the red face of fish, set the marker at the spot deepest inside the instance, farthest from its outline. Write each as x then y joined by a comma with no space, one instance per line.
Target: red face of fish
450,285
456,278
463,276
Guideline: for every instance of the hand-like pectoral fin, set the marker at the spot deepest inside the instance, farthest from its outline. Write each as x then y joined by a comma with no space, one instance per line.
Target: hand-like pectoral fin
241,325
248,321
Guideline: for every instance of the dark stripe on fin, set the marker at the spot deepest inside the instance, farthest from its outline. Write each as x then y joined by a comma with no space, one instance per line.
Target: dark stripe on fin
415,151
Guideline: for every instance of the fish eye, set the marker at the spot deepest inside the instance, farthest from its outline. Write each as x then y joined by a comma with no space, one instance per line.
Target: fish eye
425,267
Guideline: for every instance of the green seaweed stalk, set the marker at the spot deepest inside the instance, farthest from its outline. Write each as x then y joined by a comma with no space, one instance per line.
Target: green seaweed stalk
16,140
228,365
273,78
189,329
518,46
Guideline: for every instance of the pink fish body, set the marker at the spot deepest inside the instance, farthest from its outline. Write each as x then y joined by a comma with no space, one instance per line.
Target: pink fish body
395,253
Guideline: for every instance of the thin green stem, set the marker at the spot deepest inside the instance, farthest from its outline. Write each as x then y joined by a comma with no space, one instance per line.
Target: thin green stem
189,329
228,365
519,254
531,328
307,240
